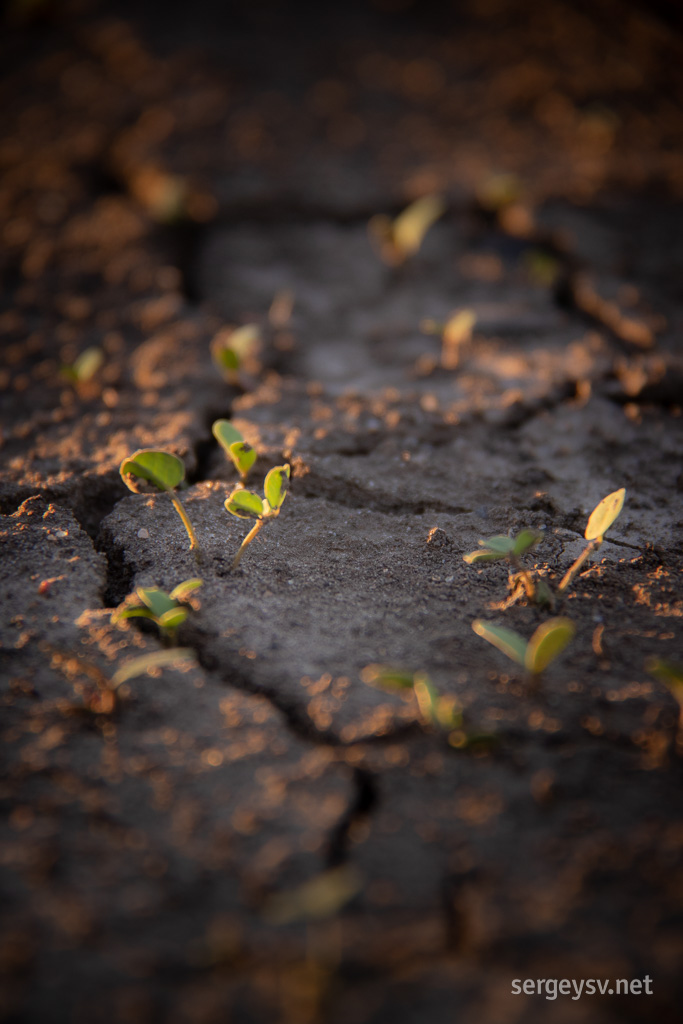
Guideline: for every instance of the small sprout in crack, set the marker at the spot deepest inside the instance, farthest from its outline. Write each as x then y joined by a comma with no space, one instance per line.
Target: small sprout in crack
546,643
601,518
510,549
167,611
241,454
84,367
164,472
436,711
248,505
236,350
456,334
396,240
671,674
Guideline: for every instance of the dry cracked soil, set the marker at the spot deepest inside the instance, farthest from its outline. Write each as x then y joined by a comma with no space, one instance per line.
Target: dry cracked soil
255,833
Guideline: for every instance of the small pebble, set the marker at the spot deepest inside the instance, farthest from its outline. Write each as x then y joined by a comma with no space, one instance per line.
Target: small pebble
143,534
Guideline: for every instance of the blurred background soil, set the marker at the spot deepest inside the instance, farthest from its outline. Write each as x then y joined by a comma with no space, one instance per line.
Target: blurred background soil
258,834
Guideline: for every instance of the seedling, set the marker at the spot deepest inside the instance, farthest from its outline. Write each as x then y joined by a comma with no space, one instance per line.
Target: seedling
546,643
510,549
396,240
601,518
241,454
168,611
321,897
455,333
436,711
84,367
164,472
236,349
671,674
248,505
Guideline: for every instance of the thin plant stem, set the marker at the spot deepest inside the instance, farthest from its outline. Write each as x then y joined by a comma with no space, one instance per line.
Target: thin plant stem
573,570
194,544
247,540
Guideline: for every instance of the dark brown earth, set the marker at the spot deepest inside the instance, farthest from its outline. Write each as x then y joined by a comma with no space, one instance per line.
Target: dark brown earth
167,173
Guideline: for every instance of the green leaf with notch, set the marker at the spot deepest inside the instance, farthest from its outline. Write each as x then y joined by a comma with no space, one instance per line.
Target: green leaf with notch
226,434
244,504
276,486
180,592
161,469
243,457
549,640
506,640
604,514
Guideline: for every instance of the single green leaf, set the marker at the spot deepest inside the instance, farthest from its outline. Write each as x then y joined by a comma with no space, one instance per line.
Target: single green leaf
506,640
133,613
385,675
157,659
173,618
244,504
180,592
525,540
87,364
549,640
500,544
276,486
226,434
158,601
604,514
227,358
411,226
427,697
243,456
244,340
475,557
161,469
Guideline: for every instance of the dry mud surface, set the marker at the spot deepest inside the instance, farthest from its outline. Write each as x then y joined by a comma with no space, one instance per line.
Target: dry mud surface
149,845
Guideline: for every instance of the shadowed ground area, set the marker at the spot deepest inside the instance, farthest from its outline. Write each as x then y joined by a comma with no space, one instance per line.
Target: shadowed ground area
254,832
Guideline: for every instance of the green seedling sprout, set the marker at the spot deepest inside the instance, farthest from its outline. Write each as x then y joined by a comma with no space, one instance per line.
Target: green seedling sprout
546,643
510,549
455,333
436,711
236,349
671,674
84,367
167,611
248,505
164,472
601,518
396,240
241,454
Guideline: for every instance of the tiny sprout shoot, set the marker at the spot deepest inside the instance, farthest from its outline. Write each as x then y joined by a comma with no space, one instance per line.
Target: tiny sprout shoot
396,240
671,674
164,472
167,611
235,350
241,454
84,368
510,549
601,518
248,505
546,643
436,710
455,333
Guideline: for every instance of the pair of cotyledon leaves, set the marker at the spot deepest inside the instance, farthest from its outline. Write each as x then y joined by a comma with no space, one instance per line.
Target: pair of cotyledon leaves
248,505
165,609
546,643
500,546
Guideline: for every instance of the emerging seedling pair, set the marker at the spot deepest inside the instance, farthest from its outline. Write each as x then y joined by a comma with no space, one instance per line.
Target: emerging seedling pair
234,351
546,643
436,710
248,505
167,611
510,549
164,472
241,454
84,367
455,334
